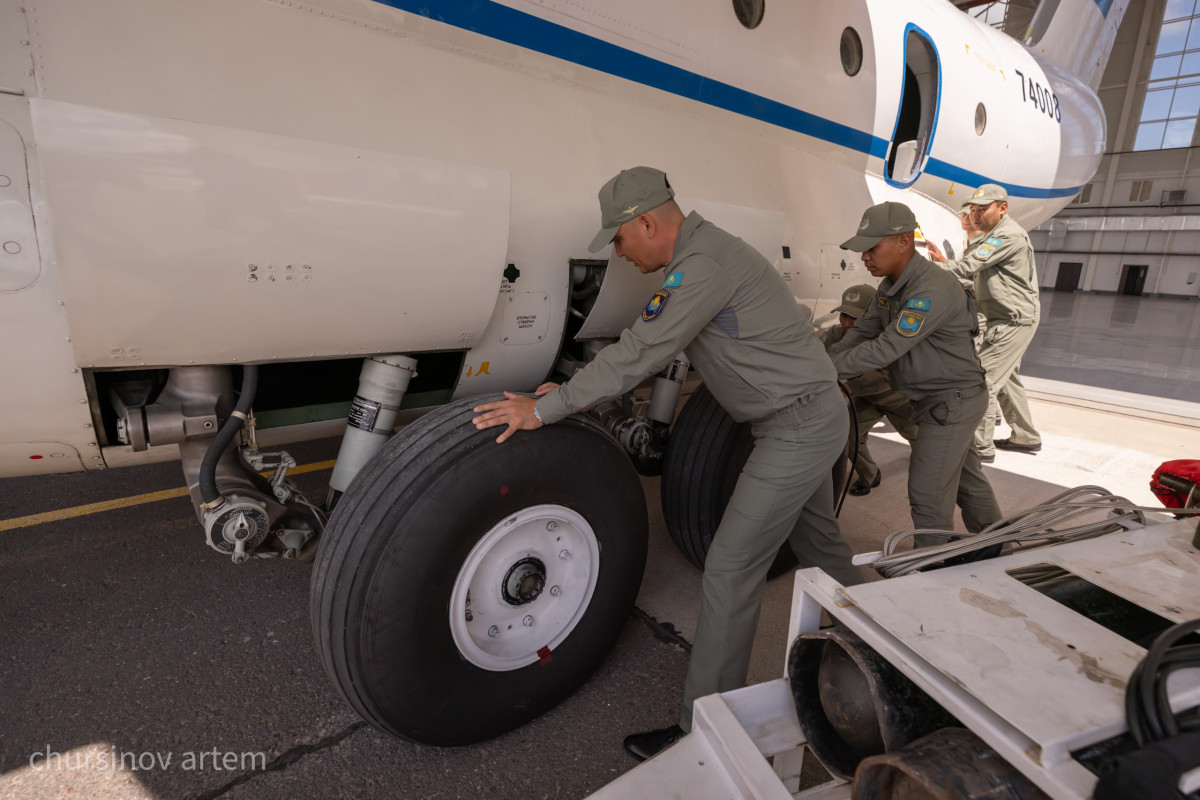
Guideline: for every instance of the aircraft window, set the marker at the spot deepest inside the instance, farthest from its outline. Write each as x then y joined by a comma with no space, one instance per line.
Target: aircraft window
980,119
749,12
852,52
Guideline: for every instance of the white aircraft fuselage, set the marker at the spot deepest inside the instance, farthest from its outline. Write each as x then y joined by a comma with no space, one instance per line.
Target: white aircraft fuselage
271,181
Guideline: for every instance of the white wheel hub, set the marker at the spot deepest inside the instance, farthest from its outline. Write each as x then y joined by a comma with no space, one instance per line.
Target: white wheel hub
524,587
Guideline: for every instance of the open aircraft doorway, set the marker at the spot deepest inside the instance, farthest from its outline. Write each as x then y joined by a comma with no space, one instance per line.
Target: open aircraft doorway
916,119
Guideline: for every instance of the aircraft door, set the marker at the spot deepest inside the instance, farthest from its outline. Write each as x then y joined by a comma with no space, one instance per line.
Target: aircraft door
916,118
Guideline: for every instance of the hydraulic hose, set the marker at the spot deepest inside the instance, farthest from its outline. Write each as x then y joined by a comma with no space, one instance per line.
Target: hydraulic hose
845,387
208,467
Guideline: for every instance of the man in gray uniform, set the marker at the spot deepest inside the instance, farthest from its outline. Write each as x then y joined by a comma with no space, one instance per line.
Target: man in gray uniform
921,327
1002,267
724,305
874,397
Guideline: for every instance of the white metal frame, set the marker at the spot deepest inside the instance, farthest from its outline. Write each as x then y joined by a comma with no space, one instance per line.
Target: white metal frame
748,743
1124,563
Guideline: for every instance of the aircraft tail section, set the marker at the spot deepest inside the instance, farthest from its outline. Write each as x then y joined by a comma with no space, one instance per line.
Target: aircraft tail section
1077,35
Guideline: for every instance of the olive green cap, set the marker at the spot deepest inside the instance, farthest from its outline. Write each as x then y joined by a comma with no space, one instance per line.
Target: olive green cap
630,193
880,222
987,194
855,300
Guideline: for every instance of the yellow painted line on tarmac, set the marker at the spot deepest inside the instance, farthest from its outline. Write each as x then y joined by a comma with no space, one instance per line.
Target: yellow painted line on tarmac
126,502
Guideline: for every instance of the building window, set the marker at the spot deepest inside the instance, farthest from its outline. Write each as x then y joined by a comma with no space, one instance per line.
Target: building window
989,12
1083,197
1173,92
1140,191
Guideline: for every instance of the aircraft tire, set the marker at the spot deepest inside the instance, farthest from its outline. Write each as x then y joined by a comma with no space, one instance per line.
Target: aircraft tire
462,588
705,455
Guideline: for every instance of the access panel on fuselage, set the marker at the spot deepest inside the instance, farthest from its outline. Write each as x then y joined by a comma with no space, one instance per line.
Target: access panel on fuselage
184,243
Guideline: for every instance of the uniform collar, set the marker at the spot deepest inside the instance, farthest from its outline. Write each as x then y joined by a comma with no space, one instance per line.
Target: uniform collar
686,229
910,269
998,227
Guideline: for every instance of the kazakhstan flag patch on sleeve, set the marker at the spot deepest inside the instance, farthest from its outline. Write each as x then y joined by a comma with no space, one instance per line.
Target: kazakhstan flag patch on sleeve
673,280
655,306
920,304
909,323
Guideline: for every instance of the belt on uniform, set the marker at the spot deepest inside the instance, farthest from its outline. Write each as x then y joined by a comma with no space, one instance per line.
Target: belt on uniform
802,400
957,394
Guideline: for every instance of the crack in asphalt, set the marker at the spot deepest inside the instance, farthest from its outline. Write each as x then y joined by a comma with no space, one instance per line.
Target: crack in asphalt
285,760
663,631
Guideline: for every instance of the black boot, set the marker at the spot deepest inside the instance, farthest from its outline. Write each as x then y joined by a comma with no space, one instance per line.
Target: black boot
861,487
647,745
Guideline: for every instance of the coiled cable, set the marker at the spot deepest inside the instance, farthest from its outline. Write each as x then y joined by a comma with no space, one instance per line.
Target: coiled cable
1060,519
1147,705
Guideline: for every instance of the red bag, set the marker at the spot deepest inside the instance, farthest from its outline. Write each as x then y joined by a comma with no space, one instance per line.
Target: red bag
1176,494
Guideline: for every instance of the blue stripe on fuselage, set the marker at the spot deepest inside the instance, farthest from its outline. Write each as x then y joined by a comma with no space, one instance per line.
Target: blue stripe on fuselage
500,22
1105,6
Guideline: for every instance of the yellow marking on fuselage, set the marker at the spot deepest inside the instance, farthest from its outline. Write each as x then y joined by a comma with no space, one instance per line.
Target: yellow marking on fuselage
126,502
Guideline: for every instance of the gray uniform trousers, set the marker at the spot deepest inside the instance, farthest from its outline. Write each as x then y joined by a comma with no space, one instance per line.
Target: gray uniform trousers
1000,354
869,410
785,493
944,468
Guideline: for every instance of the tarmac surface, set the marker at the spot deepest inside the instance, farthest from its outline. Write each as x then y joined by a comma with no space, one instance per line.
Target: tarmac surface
135,662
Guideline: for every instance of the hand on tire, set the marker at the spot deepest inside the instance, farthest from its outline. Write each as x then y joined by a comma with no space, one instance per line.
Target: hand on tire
515,411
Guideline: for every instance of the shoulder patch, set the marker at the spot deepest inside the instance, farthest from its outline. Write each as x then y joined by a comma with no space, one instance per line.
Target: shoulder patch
920,304
655,306
909,323
673,280
984,250
993,241
883,303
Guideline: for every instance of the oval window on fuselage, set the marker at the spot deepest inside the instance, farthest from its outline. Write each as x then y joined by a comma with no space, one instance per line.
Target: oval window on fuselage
852,52
749,12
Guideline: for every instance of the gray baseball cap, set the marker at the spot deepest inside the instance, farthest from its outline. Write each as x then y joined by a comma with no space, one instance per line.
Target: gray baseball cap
630,193
855,300
880,222
987,194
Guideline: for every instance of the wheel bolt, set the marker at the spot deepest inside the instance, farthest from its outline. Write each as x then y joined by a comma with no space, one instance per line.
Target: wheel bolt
552,526
493,631
528,622
564,555
555,591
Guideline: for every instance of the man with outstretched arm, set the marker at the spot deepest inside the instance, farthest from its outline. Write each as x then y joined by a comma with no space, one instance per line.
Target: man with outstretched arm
723,304
1001,265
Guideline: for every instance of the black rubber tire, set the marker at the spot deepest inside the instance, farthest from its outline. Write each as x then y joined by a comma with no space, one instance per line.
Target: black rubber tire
395,545
705,455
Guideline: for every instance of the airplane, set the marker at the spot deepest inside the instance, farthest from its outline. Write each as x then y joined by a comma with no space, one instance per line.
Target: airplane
232,225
